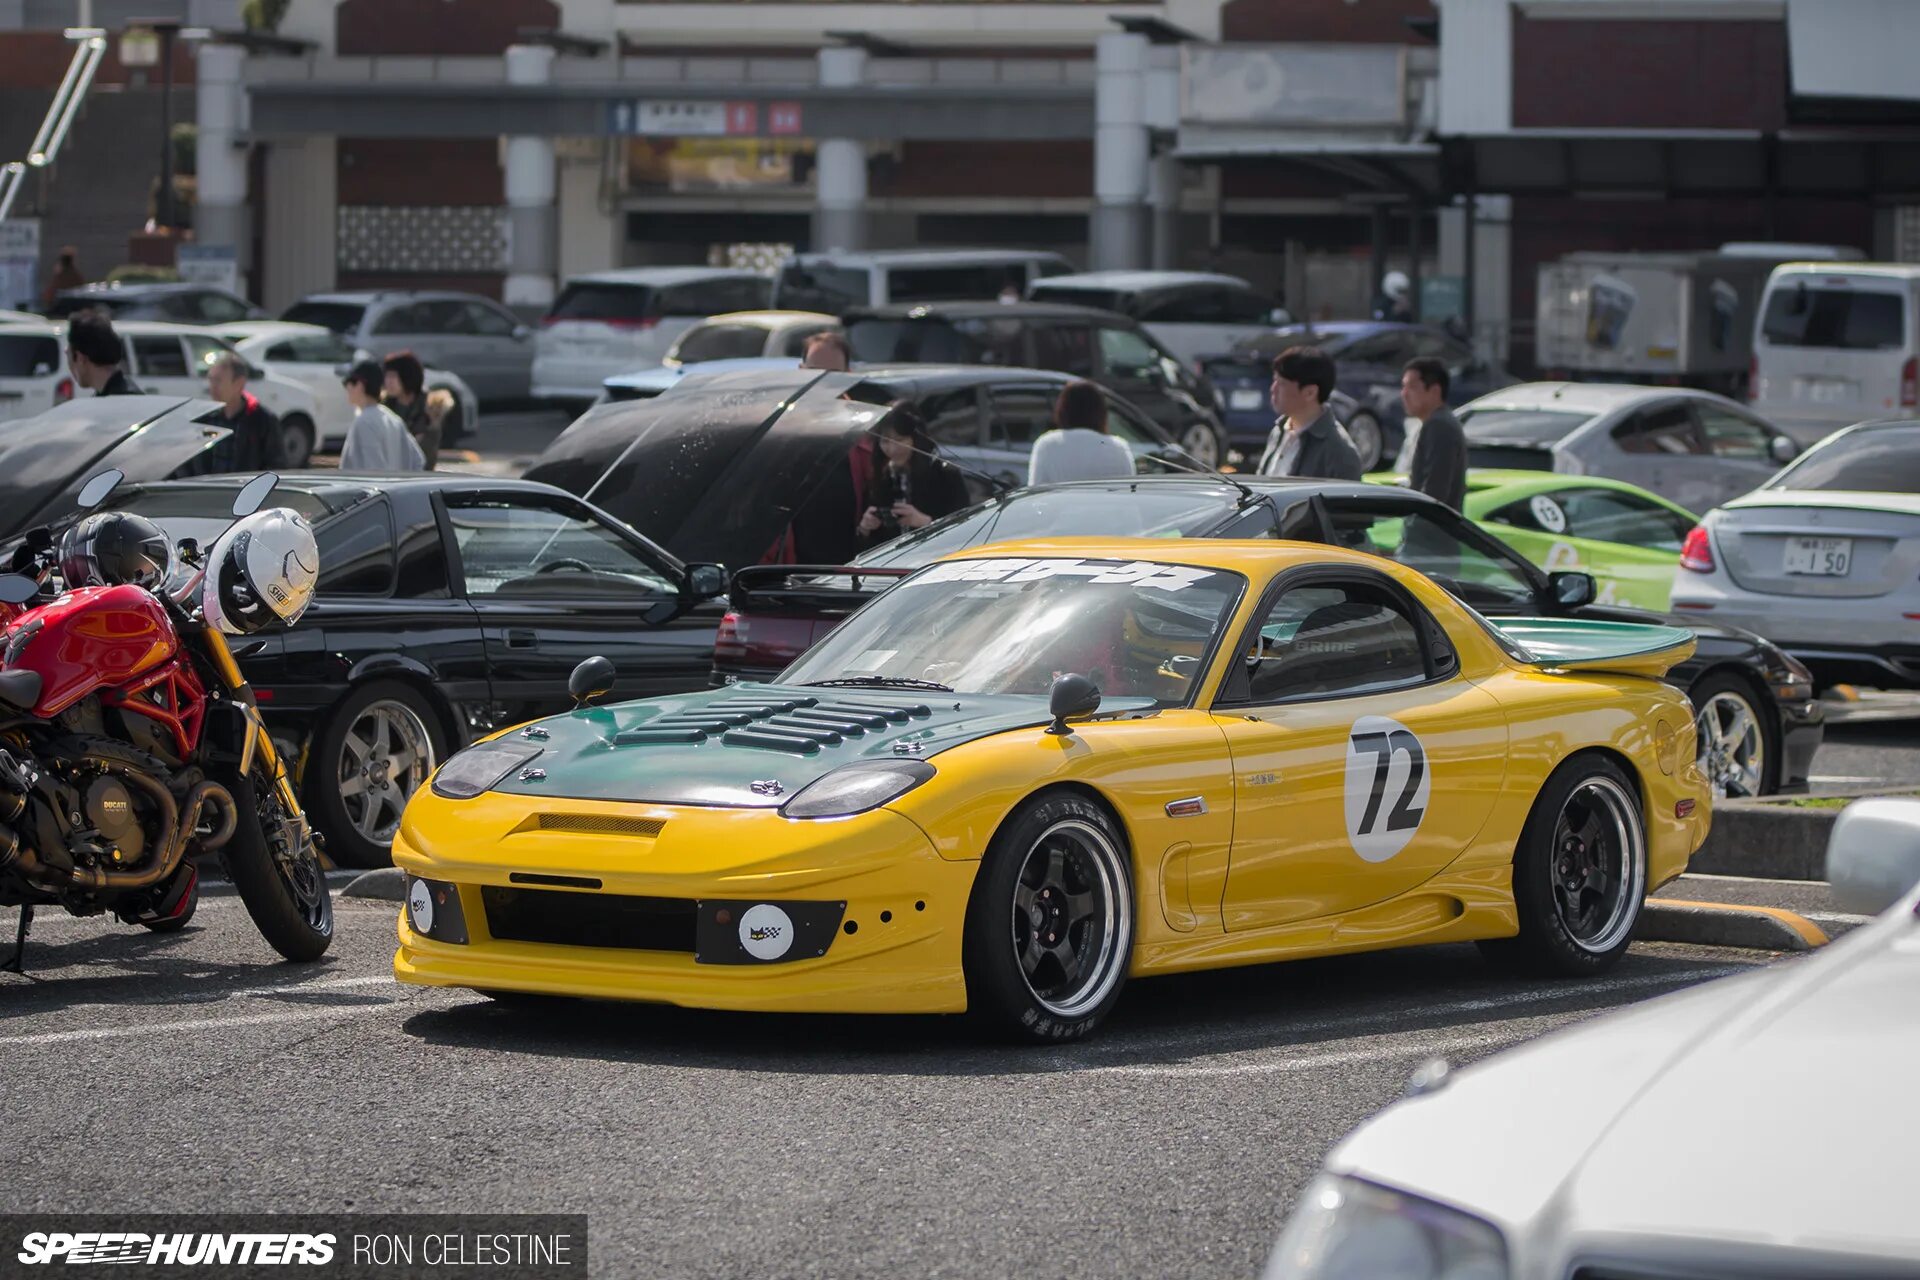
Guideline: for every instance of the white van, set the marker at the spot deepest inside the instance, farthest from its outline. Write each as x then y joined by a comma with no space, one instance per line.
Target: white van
1836,344
836,282
614,322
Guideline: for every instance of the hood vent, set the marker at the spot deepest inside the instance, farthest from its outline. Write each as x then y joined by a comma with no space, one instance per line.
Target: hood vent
593,824
798,725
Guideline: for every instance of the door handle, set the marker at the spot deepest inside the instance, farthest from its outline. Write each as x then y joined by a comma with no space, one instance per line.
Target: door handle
518,638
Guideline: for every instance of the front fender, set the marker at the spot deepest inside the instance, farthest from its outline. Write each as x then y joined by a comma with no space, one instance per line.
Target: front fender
376,665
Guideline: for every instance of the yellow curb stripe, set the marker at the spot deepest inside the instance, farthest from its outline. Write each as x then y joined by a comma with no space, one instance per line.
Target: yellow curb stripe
1810,932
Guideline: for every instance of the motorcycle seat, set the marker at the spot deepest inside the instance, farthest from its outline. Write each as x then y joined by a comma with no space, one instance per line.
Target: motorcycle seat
20,689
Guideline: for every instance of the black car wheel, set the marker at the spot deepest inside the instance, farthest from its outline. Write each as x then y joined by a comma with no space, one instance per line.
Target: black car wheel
1733,740
1579,872
1049,931
1368,439
375,750
297,438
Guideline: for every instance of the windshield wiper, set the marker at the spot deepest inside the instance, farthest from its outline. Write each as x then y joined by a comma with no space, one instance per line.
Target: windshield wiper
878,682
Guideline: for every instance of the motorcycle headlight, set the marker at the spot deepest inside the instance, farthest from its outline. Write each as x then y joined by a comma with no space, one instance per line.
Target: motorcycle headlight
479,768
1345,1229
856,788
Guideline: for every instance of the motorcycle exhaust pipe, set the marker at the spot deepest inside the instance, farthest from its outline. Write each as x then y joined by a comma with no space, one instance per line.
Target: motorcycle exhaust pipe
11,850
226,816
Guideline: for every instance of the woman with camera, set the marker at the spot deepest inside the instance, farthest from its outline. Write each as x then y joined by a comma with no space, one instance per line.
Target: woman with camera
911,486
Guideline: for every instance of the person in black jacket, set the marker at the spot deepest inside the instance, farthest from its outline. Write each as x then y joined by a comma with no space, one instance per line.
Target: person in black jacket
95,354
1306,439
911,485
257,442
1437,453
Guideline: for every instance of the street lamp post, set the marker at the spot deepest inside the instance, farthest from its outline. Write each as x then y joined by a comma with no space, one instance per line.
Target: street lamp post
145,42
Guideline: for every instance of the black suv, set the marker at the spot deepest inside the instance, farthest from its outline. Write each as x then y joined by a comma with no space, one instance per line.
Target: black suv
1106,348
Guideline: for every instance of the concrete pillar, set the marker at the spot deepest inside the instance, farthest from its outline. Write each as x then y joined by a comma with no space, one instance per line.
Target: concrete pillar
1164,180
220,205
840,164
1118,235
1165,177
530,193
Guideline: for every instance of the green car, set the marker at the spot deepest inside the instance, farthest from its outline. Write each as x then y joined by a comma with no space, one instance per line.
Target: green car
1627,538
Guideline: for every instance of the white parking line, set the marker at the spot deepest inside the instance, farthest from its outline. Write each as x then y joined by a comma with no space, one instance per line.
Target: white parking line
1321,1061
184,1025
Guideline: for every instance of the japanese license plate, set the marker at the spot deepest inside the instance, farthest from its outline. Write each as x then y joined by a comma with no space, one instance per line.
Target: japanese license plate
1819,557
1245,399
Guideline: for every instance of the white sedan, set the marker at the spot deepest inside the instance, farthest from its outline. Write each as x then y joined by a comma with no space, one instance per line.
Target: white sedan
1759,1126
318,358
741,335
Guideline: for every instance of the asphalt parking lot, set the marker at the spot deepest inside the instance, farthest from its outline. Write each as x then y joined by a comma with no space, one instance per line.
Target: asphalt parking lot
193,1073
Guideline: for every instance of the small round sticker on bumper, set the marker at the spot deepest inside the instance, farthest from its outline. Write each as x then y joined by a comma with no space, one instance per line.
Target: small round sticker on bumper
766,932
420,904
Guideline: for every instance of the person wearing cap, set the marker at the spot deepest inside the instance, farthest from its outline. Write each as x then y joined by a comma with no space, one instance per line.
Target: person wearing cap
377,440
95,354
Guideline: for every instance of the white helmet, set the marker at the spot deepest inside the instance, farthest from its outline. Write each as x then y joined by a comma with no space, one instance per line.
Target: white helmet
1396,285
261,571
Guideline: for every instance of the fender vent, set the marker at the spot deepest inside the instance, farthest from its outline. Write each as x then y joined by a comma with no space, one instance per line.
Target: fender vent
592,824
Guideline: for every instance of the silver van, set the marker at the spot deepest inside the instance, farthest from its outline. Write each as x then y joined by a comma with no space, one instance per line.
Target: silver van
1836,344
835,282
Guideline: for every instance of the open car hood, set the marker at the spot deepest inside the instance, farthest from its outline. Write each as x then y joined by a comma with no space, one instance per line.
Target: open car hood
713,472
45,459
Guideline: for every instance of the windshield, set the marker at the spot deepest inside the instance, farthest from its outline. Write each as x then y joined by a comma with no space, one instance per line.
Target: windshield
341,317
1879,460
1138,511
1139,629
1534,426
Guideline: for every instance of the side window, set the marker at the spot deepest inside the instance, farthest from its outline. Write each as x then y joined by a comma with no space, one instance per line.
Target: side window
160,356
178,308
1608,515
218,308
444,315
515,548
1389,347
1468,563
356,552
954,420
1125,354
423,562
487,322
1064,348
407,319
1536,513
1193,304
1332,640
320,348
202,352
1662,428
721,342
1017,417
284,351
1729,435
795,342
1124,421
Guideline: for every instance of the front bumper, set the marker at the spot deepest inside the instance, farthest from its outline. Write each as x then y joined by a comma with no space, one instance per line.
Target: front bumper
896,947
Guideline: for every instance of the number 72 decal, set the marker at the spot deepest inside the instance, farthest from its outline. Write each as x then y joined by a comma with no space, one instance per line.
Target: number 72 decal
1388,786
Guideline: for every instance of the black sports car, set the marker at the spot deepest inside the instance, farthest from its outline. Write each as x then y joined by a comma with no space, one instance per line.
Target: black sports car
778,611
448,605
45,459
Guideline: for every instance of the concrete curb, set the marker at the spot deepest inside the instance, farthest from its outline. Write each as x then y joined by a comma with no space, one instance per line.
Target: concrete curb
386,883
1726,924
1766,838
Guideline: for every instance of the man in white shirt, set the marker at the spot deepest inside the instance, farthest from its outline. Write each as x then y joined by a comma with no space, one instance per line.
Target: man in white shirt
377,441
1078,447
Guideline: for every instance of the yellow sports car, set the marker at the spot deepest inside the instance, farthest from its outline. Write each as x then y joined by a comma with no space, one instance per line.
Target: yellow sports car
1032,771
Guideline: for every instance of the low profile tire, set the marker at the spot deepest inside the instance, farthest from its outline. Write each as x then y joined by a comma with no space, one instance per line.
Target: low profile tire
373,752
298,438
1049,931
1364,430
1205,445
1579,873
279,881
1735,745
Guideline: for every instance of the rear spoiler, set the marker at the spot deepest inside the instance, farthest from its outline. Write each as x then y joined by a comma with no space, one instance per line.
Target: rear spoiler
827,586
1578,644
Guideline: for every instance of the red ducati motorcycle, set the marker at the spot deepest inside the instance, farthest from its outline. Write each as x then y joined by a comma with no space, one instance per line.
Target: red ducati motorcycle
130,745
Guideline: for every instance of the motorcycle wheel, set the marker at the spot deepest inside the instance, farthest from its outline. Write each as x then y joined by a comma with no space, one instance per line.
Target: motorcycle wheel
279,881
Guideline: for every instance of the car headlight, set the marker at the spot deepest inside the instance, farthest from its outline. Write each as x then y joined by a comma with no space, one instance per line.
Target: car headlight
480,768
856,788
1344,1229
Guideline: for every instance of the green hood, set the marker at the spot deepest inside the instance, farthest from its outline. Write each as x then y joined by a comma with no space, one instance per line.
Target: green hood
710,748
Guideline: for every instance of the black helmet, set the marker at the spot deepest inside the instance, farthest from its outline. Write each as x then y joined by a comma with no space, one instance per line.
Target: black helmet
113,547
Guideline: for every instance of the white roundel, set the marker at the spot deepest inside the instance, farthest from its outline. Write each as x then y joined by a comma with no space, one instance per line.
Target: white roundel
1548,512
1388,786
420,906
766,931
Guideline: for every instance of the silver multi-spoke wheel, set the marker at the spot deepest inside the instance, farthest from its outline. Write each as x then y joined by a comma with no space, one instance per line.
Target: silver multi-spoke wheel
1199,443
1732,746
1070,922
385,756
1598,868
1368,440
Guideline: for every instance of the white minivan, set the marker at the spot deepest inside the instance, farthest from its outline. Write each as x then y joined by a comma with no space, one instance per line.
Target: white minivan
837,282
1836,344
613,322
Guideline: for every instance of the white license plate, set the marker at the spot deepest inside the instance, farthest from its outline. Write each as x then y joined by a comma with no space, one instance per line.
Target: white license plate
1819,557
1248,399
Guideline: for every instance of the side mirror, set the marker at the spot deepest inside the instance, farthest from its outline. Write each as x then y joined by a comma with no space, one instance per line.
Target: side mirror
16,588
95,491
1873,855
591,679
253,494
1279,317
1572,589
522,332
1784,449
255,373
705,581
1073,695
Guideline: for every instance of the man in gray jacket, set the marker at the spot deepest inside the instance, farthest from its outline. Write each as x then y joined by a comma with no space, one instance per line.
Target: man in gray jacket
1306,440
1437,454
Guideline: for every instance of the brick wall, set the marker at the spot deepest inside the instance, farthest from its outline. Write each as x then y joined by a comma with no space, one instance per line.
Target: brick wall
1323,21
1649,75
1020,169
38,60
447,28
